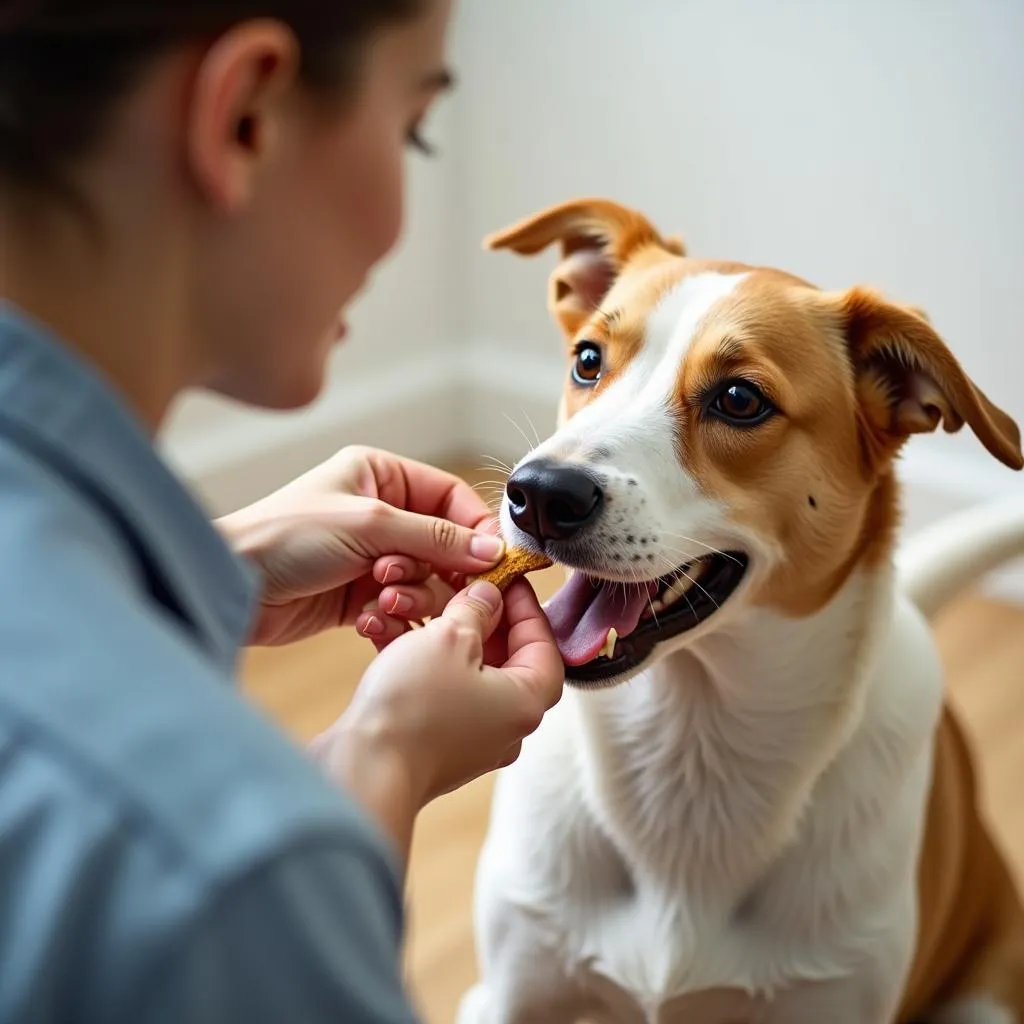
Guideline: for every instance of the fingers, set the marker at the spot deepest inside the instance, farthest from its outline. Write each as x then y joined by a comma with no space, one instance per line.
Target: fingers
423,489
394,569
511,756
425,601
380,628
478,609
445,545
533,657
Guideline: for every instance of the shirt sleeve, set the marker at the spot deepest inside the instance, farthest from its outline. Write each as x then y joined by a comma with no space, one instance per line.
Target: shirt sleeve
313,936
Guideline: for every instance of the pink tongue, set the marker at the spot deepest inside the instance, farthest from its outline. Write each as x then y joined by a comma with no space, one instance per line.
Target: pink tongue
582,614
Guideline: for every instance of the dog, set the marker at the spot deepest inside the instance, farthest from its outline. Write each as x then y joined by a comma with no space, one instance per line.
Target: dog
753,804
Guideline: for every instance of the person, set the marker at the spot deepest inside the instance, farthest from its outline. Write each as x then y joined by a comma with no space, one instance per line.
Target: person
190,191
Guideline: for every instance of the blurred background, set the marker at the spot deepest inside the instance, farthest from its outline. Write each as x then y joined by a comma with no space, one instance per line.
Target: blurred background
872,142
877,142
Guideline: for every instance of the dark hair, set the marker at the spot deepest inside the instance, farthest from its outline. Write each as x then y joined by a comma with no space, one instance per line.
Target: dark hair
65,63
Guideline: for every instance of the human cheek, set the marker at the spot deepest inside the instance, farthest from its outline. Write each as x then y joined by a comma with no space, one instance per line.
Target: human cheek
383,211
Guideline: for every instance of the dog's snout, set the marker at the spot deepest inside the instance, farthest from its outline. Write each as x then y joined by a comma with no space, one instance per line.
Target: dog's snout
551,500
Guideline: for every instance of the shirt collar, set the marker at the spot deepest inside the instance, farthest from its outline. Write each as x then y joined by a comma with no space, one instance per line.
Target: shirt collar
56,402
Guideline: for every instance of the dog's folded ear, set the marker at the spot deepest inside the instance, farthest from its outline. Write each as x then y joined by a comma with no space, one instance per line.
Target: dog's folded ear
909,382
597,238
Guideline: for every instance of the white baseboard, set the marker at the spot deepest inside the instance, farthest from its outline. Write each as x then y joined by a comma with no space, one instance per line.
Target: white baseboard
457,409
239,456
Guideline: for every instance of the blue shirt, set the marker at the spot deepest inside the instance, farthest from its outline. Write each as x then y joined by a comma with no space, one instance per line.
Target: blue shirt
166,854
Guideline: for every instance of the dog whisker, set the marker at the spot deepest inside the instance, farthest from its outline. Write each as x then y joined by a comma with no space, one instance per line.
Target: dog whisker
700,543
492,462
533,427
674,572
680,572
529,444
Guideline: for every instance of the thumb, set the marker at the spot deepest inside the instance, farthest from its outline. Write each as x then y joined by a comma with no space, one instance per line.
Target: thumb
441,543
477,608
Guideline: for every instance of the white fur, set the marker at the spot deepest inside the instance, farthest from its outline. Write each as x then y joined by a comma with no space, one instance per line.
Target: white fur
975,1010
732,834
627,434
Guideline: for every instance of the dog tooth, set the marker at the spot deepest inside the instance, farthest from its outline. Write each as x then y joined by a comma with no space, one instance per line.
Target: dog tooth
608,648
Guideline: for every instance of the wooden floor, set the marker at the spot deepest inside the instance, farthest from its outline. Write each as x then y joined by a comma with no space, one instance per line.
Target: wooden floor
305,687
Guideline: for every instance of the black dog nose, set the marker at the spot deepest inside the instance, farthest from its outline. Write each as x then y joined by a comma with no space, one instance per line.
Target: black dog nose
551,500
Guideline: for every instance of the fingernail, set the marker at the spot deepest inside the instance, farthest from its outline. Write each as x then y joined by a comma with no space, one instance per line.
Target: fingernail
486,593
394,573
401,604
372,627
486,547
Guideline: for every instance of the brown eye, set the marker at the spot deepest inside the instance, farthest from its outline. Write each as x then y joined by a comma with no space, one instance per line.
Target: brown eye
741,403
586,370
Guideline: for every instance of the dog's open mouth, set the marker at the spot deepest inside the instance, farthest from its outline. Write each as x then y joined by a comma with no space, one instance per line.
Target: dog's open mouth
605,629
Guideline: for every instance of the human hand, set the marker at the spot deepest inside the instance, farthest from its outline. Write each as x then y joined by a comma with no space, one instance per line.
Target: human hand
362,538
431,715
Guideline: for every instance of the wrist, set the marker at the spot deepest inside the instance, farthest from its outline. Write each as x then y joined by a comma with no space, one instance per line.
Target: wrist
378,776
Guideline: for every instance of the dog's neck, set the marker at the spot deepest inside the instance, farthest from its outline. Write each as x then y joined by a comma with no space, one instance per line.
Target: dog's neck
701,767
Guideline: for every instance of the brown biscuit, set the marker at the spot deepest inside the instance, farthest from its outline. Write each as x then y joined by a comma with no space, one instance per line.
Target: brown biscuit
516,563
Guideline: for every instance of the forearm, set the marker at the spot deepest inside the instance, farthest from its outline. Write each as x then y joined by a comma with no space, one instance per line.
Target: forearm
377,779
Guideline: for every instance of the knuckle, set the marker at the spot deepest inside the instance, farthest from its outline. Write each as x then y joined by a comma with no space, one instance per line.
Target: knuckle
467,637
350,456
374,514
510,758
532,716
356,451
553,694
447,632
445,534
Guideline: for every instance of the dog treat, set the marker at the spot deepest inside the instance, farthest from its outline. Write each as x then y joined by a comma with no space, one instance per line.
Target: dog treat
516,563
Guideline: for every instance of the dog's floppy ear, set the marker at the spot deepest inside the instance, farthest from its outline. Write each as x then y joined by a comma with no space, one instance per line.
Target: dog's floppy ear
597,237
908,381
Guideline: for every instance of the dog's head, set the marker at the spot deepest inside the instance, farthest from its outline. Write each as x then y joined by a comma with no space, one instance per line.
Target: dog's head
726,436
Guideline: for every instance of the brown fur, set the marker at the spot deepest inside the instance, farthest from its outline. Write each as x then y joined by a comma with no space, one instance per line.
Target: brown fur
971,921
854,375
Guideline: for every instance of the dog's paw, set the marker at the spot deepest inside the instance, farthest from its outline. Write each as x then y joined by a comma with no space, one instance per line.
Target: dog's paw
974,1010
475,1007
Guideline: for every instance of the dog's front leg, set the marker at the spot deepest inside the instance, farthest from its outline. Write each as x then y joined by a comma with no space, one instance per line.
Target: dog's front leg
871,997
524,980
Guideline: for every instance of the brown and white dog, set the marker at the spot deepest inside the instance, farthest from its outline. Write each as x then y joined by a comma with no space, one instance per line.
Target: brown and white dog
753,805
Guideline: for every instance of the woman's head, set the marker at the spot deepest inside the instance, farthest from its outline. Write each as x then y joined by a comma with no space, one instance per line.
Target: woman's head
250,152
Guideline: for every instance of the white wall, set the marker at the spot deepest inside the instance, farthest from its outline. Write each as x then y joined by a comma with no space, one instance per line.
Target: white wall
876,141
401,348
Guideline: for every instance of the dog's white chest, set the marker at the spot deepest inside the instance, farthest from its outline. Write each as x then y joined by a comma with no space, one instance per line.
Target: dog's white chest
667,858
658,948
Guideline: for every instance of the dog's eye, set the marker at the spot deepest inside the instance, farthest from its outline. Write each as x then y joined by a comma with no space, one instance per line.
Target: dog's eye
586,370
741,403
